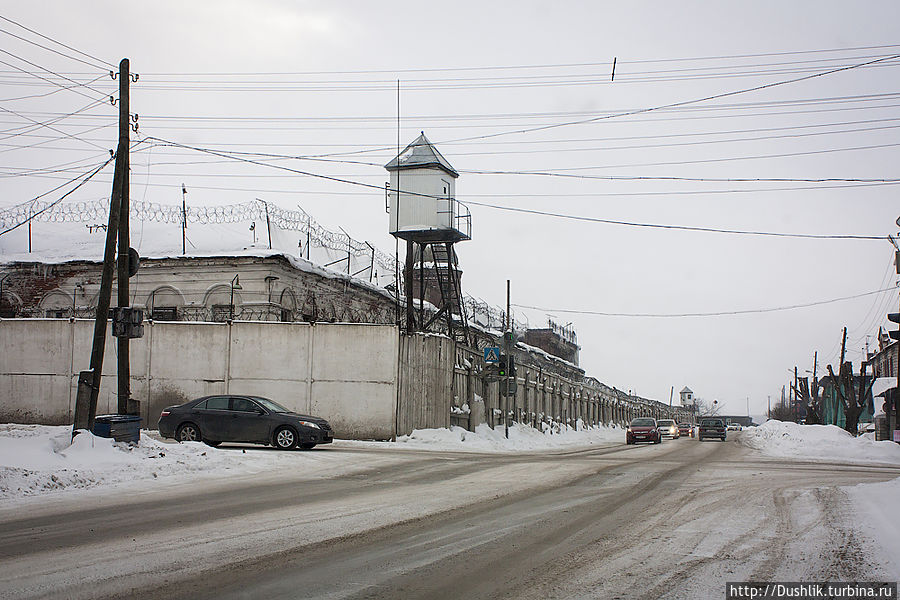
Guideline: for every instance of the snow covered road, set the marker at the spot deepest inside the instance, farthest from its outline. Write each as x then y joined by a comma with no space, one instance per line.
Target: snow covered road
676,520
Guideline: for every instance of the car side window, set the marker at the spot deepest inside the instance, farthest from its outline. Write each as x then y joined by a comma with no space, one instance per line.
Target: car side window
244,405
217,403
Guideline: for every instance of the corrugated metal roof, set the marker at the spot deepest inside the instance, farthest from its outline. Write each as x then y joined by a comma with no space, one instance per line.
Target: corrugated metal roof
420,153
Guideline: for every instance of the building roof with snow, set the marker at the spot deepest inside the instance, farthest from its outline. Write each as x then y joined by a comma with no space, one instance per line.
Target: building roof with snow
420,153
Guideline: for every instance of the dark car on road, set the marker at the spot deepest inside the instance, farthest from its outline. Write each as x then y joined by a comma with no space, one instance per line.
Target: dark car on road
643,429
236,418
686,429
711,428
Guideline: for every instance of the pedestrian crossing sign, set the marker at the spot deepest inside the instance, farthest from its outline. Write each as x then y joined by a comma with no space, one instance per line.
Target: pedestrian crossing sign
492,354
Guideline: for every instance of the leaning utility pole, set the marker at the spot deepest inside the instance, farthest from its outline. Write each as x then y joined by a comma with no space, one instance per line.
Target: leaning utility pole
124,362
89,381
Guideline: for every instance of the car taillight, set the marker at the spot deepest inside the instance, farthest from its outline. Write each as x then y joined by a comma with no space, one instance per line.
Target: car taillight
164,413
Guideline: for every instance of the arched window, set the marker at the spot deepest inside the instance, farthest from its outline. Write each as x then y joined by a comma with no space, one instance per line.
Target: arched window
57,305
218,299
164,304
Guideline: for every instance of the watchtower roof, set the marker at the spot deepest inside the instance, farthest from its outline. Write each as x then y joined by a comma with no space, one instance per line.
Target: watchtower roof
686,390
420,153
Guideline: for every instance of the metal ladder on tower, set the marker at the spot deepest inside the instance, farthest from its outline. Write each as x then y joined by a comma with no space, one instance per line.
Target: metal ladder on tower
447,276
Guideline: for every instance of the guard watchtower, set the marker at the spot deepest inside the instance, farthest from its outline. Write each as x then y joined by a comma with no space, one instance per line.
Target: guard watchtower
421,202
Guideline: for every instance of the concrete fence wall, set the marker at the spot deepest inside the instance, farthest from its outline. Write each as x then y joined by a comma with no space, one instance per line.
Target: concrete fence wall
346,373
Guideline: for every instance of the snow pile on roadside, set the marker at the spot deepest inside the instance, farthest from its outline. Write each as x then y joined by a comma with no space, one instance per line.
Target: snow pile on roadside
875,504
37,459
817,442
41,459
521,438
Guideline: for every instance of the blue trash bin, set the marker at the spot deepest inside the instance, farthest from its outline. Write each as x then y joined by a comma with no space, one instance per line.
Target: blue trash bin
121,428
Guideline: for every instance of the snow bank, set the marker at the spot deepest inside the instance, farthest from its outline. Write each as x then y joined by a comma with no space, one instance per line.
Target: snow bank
876,506
521,438
37,459
40,459
817,442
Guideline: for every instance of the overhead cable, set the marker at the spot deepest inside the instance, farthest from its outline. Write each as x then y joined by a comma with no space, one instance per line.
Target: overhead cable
703,314
94,58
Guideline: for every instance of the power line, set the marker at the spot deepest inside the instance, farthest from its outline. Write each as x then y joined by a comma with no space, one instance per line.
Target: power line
26,61
63,54
99,60
275,156
478,83
686,102
724,159
706,179
48,125
528,211
54,91
681,227
61,198
702,314
604,64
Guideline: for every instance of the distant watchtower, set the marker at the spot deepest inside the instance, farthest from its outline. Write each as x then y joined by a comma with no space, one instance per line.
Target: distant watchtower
421,202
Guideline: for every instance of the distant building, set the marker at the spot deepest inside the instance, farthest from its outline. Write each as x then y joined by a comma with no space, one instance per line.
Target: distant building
884,362
560,341
259,285
831,410
687,396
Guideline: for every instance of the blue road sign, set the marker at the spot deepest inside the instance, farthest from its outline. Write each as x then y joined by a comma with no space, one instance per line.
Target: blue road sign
492,354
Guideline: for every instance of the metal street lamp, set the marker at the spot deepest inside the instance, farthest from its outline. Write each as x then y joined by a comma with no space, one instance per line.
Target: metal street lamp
235,285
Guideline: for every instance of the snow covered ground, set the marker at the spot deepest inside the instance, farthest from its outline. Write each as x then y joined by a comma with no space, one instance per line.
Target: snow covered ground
874,503
522,438
37,460
817,442
39,467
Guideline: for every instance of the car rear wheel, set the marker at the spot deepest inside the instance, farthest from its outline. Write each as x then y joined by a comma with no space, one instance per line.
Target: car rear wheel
285,438
188,432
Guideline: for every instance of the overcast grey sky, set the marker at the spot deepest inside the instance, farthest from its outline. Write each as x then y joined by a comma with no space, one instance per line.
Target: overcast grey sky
313,78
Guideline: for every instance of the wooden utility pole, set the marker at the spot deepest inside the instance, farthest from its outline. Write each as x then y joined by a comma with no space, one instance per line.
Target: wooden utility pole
507,334
117,228
183,220
843,349
89,381
124,362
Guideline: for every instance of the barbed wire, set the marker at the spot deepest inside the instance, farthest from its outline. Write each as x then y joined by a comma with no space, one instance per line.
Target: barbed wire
97,211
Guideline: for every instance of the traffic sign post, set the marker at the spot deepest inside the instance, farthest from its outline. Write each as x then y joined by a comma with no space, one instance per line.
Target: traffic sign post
492,355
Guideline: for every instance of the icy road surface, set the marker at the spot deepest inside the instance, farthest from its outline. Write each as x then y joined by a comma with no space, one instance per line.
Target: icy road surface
675,520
